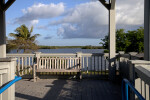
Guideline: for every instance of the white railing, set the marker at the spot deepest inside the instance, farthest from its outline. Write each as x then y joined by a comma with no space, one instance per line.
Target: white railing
139,76
137,72
24,63
92,63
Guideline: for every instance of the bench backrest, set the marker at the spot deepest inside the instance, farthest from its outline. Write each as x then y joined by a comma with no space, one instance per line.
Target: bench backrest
59,63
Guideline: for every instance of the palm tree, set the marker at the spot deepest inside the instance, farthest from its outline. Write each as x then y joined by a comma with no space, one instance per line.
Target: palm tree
23,39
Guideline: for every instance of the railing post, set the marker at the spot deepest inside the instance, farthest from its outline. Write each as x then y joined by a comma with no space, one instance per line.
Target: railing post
132,54
37,54
36,58
120,63
79,55
135,81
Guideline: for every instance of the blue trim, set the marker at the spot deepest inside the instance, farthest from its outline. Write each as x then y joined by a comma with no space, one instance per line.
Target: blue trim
125,85
10,83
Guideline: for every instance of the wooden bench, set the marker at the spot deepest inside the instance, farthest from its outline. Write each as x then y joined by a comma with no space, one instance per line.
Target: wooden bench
55,64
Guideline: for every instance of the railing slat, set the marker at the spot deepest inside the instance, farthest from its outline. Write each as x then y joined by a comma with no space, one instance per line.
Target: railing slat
22,69
94,65
101,65
98,65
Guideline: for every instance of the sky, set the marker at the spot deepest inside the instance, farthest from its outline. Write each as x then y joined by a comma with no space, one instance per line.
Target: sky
72,22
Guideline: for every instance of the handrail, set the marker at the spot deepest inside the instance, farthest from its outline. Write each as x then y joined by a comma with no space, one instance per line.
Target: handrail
10,83
125,84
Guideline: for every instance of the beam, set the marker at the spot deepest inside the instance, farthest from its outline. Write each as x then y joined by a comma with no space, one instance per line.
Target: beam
147,30
112,40
107,5
2,32
112,31
8,4
112,4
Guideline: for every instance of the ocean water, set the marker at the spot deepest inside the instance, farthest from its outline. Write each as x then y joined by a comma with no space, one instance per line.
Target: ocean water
66,50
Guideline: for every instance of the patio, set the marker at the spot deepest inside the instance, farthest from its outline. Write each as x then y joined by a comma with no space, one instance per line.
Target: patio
67,89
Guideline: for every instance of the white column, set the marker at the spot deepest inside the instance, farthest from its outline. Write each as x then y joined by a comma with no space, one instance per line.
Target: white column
2,33
147,30
112,40
112,31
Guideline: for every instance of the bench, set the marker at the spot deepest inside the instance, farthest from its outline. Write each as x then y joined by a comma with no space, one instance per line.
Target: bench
57,64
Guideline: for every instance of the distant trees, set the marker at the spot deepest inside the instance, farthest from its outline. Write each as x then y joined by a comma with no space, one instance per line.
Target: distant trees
127,41
23,39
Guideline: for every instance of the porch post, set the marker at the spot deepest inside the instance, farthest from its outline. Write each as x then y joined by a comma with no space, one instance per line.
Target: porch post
112,38
2,31
112,31
147,30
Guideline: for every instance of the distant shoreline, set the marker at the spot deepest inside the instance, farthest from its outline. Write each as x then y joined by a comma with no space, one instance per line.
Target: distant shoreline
61,47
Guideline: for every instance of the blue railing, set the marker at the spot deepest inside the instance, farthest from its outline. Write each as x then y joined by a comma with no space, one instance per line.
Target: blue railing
9,84
125,86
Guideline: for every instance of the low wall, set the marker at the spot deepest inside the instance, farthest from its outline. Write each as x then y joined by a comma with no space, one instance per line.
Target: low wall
7,73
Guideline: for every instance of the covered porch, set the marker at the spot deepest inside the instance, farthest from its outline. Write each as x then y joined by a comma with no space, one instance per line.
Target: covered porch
72,89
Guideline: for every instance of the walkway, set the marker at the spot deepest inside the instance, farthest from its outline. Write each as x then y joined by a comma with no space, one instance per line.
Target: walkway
61,89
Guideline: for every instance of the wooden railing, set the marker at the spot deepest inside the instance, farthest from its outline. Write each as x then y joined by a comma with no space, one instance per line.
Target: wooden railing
24,63
91,63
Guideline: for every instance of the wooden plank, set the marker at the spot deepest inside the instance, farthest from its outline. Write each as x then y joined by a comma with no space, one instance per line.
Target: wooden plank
55,64
60,63
91,64
42,63
87,61
98,65
25,65
50,63
75,64
19,64
29,64
22,66
105,66
83,63
94,65
45,62
101,65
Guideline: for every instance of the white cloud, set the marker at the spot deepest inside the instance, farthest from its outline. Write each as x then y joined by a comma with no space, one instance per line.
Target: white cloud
34,22
86,20
40,11
90,20
83,21
130,12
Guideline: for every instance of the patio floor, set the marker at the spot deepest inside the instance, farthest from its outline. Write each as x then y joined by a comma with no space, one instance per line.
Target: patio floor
63,89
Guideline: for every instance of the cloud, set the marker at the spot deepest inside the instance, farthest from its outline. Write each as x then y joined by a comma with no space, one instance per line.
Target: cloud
130,12
40,11
90,20
83,21
86,20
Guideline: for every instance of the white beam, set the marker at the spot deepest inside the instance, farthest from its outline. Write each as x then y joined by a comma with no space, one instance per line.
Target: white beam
2,32
112,40
147,30
112,30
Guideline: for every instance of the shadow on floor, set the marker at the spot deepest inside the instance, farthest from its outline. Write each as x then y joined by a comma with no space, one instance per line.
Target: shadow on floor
63,89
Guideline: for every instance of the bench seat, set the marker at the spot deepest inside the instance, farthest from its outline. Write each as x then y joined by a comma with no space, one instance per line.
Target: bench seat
54,64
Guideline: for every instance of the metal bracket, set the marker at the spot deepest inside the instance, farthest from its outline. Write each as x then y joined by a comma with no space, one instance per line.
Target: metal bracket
5,6
108,6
